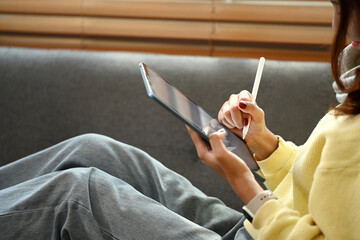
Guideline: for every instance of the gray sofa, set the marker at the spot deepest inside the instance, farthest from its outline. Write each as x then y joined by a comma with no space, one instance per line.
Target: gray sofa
47,96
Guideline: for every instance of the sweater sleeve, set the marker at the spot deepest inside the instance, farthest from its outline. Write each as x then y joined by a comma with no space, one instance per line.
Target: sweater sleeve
332,196
276,167
333,210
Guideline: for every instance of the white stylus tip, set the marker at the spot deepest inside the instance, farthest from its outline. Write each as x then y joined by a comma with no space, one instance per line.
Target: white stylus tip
245,130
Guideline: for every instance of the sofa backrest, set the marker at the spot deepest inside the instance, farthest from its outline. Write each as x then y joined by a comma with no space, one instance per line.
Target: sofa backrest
47,96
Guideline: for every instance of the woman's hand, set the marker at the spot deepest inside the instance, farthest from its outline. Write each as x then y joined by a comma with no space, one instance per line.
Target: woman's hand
235,114
232,168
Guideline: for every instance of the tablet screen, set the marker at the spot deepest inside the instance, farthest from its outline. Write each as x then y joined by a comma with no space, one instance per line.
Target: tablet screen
192,114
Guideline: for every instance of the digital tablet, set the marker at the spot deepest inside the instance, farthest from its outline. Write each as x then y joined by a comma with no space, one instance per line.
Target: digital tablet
192,114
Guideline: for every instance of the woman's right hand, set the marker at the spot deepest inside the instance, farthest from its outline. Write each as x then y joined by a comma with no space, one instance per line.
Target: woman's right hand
235,114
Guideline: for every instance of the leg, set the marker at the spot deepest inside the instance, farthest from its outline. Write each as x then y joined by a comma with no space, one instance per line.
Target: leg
87,203
132,166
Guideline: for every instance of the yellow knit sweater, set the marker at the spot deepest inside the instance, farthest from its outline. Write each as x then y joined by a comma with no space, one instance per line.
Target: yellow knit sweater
317,185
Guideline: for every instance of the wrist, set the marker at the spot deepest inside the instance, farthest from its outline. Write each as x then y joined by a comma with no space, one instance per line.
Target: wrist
264,144
246,188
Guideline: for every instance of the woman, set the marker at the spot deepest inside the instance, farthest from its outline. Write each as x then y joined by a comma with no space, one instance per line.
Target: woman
92,187
316,184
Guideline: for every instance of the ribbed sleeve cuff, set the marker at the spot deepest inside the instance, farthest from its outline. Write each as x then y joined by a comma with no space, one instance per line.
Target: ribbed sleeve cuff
278,158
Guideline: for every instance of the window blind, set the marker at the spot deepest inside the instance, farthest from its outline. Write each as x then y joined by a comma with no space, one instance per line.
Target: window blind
289,30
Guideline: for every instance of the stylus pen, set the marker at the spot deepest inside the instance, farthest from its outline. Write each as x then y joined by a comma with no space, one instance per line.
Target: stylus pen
255,90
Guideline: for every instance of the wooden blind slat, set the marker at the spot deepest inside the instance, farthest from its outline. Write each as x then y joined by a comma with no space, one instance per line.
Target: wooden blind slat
63,7
41,41
273,33
189,48
40,24
169,47
170,29
272,53
164,10
271,13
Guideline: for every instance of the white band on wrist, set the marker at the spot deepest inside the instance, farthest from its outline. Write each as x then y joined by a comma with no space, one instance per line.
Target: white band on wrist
253,206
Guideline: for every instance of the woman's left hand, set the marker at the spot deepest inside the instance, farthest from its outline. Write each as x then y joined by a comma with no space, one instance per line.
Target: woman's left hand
228,165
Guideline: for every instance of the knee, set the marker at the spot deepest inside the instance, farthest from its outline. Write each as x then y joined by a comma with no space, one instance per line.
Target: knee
93,144
88,150
98,144
91,140
94,150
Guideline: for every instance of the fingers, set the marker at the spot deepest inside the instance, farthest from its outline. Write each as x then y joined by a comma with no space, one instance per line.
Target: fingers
244,96
247,107
235,114
230,114
256,113
223,116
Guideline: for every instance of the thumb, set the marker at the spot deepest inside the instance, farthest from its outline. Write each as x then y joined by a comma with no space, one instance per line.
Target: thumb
216,143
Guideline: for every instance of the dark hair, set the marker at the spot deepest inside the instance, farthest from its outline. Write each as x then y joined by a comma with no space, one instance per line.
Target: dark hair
351,105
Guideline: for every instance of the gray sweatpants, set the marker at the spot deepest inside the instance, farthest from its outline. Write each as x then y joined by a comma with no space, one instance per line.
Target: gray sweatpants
93,187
